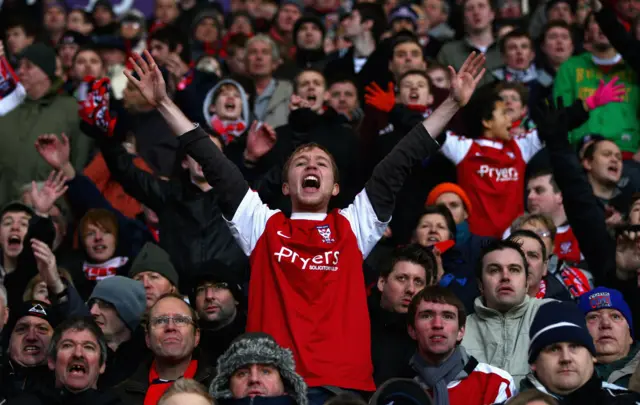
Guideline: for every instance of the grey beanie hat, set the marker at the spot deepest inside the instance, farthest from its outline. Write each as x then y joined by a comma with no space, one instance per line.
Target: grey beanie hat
127,295
258,348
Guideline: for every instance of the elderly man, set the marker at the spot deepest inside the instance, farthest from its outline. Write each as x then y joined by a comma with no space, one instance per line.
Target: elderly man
153,268
562,358
172,335
255,366
77,356
26,365
610,324
271,104
43,111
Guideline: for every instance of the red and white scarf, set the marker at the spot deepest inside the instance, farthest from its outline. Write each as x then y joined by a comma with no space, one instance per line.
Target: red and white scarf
12,93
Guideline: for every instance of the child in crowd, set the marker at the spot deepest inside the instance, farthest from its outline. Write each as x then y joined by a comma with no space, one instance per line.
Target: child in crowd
226,109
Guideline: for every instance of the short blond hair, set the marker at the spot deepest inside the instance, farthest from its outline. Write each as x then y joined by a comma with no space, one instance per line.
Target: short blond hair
186,386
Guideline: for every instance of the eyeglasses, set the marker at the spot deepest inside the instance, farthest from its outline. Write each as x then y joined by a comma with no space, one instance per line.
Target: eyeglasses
543,234
180,321
214,286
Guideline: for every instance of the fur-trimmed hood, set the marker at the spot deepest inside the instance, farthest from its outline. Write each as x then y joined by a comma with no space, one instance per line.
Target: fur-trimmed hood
258,348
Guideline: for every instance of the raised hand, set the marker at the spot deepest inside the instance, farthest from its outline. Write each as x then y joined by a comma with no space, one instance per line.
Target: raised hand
260,140
605,94
47,265
628,253
52,189
378,98
150,83
296,102
53,150
465,81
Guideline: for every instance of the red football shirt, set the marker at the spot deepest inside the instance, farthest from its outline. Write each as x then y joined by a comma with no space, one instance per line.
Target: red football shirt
307,286
491,172
566,245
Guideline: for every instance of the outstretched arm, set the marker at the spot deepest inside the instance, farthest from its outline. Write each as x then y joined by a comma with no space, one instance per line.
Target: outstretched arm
220,173
389,175
621,40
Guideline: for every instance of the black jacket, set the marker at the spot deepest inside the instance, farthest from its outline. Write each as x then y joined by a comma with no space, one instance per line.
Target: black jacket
64,397
122,363
192,229
16,380
133,390
391,345
215,342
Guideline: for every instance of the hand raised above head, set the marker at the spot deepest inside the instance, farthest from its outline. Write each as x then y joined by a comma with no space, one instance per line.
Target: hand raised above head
150,81
466,79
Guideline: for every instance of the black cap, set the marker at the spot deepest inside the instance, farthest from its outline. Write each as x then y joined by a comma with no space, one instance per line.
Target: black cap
572,4
308,18
38,309
215,271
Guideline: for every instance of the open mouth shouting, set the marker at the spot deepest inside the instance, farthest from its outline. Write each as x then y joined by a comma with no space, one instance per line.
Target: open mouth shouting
14,243
32,350
310,183
414,97
229,105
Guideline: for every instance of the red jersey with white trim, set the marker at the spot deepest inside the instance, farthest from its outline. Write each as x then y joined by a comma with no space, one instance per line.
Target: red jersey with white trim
566,245
307,286
485,385
491,172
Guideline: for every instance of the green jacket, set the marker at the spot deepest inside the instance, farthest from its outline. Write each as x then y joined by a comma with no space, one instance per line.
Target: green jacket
578,78
20,163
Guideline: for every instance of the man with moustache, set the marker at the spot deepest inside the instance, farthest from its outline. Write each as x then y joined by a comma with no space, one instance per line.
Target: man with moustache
217,296
172,335
77,356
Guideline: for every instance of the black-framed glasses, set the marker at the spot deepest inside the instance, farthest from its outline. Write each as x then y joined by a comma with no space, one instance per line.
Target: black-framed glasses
214,286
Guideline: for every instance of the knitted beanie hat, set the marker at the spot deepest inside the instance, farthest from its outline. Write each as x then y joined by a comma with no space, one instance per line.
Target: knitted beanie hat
558,322
606,298
258,348
127,295
449,188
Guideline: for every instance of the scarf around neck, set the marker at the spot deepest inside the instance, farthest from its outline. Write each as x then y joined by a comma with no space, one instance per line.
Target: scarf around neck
438,377
158,386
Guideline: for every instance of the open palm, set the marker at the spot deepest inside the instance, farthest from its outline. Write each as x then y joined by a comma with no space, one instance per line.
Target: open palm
53,150
150,81
44,198
465,81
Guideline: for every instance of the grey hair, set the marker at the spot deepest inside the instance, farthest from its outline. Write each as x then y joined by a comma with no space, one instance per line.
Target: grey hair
275,51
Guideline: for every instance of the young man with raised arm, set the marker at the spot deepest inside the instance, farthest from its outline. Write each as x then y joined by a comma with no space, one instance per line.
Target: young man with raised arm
307,287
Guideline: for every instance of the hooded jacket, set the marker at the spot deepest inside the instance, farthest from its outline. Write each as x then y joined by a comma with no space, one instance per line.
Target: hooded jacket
502,340
209,101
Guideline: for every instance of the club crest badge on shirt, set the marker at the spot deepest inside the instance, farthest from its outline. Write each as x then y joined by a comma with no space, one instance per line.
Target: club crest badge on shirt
325,233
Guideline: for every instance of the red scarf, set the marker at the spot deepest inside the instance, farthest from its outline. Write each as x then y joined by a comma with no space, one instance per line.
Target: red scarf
157,387
542,290
228,130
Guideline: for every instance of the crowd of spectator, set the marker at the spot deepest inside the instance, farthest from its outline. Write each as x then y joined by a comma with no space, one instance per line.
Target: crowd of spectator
309,202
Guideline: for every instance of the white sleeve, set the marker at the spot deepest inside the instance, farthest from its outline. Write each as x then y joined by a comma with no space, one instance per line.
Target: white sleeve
456,147
249,221
364,223
506,391
529,144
